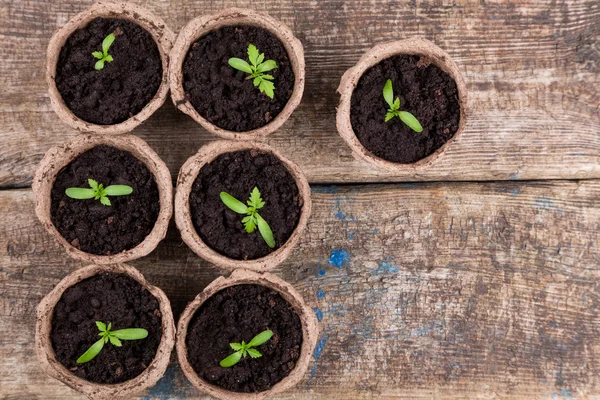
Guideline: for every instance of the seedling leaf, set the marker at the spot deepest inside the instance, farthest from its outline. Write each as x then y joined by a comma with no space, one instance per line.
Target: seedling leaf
388,93
118,190
101,326
236,346
231,360
233,204
91,352
131,334
107,42
80,193
265,231
261,338
98,54
104,56
253,54
115,341
240,64
254,353
105,201
411,121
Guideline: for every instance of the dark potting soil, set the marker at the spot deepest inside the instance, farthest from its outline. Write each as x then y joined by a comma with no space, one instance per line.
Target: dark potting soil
96,228
125,85
237,173
425,91
106,297
222,94
239,313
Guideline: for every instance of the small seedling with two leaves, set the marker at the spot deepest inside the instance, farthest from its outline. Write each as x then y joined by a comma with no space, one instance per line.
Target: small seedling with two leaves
98,192
257,70
114,337
103,55
253,218
243,349
394,111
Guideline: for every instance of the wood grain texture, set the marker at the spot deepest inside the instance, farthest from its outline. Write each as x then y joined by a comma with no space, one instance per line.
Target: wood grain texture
463,290
532,68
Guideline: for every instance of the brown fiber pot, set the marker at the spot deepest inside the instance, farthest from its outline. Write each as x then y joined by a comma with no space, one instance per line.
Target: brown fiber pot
199,27
159,31
310,332
59,157
187,175
373,57
45,351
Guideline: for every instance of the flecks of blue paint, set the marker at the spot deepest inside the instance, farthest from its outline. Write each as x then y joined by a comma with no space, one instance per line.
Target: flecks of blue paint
339,257
324,189
578,154
321,294
340,215
566,393
351,236
318,350
556,35
172,385
374,231
322,272
515,192
544,203
495,17
318,313
384,268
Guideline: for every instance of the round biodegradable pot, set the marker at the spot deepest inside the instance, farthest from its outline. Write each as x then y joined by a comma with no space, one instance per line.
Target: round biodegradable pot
155,26
59,157
47,357
187,175
380,52
310,333
202,25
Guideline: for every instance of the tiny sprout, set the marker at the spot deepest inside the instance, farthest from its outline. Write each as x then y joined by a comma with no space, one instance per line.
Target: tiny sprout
103,55
243,349
113,336
98,192
252,218
257,70
405,116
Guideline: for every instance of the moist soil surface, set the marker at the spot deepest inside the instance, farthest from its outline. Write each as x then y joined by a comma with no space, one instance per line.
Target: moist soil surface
95,228
106,297
123,87
425,91
239,313
237,173
222,94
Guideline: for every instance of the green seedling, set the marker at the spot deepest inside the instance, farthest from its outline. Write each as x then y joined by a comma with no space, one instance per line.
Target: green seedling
114,337
98,192
243,349
253,218
256,70
103,55
394,110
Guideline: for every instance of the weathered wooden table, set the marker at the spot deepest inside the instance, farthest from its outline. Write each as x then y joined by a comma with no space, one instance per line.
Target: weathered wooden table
484,283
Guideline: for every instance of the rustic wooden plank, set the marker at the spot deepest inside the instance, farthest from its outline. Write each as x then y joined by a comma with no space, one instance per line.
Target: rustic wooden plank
463,290
532,70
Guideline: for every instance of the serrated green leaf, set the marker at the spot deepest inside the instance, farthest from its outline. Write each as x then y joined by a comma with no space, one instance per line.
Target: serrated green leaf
107,42
254,353
257,81
109,326
265,231
98,54
255,199
233,204
80,193
101,326
411,121
118,190
91,352
267,87
250,225
267,77
253,54
261,338
108,58
235,346
231,360
389,115
131,334
115,341
99,65
240,64
93,184
267,66
260,59
396,105
388,93
105,201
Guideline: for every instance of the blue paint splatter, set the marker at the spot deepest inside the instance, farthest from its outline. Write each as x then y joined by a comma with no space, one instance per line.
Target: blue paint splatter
384,267
172,385
566,393
324,189
319,348
351,236
318,313
515,192
321,294
339,257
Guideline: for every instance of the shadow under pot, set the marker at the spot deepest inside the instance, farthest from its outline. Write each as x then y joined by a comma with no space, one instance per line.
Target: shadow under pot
248,336
105,332
238,73
105,199
108,67
402,104
241,205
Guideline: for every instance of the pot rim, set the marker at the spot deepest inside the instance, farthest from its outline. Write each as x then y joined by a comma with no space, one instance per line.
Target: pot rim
202,25
154,25
47,357
187,175
60,156
310,332
374,56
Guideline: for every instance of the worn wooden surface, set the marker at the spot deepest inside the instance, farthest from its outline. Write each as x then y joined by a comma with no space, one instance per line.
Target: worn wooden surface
439,290
532,69
457,290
